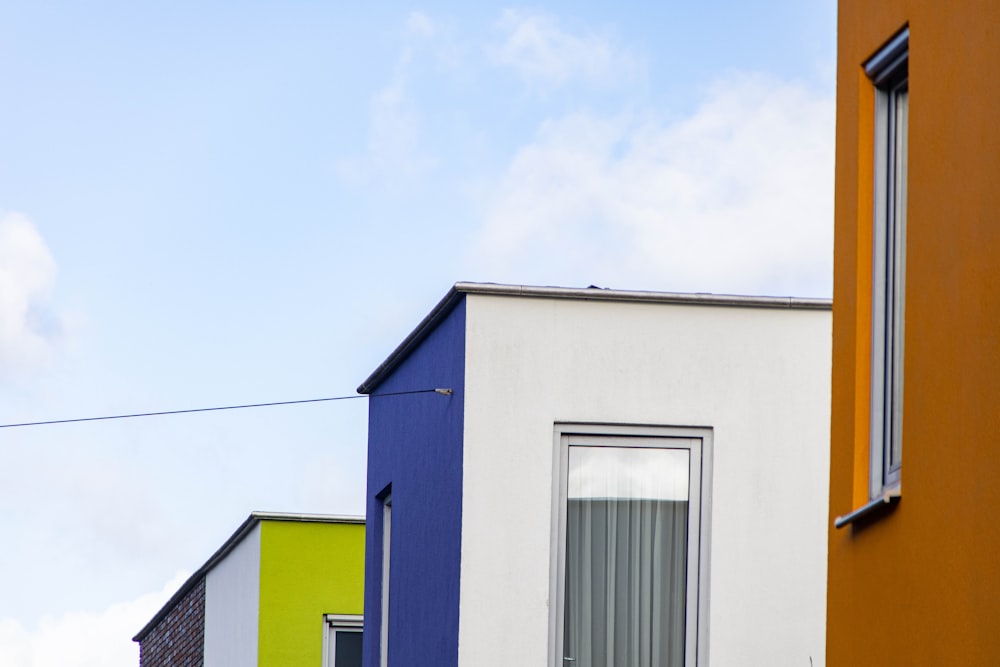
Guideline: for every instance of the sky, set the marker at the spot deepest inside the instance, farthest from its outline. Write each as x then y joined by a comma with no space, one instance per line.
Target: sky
219,203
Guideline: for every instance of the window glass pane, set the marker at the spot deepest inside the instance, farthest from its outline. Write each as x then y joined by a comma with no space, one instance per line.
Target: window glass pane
626,557
348,649
900,113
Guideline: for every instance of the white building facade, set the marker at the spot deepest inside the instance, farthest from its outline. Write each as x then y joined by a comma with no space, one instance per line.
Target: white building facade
642,479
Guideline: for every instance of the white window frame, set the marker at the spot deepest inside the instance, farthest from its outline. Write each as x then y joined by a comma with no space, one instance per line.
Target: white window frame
386,553
699,442
888,71
334,623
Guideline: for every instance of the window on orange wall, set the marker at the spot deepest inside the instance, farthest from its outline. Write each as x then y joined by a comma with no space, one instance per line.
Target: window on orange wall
889,73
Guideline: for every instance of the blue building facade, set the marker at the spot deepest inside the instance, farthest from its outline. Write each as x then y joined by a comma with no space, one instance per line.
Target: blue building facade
415,462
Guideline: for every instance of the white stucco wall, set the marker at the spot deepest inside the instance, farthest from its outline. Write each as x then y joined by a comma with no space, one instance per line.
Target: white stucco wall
232,604
758,377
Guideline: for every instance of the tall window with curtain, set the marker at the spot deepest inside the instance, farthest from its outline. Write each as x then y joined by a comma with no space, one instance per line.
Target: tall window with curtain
630,564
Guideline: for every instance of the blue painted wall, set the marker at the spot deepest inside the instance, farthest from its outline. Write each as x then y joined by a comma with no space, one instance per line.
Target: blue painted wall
415,445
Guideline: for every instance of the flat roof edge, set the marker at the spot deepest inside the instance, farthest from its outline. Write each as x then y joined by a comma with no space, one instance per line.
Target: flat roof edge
228,546
687,298
460,289
308,518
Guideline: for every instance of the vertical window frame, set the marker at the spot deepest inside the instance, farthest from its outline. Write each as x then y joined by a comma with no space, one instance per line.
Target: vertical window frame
889,73
386,500
700,494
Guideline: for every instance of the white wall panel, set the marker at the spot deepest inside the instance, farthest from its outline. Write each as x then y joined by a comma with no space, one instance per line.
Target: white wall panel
232,604
759,377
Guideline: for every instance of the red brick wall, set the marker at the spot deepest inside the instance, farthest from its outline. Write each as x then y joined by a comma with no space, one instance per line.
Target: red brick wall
178,640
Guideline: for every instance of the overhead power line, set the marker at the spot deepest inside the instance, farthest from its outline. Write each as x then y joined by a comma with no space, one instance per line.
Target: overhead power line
444,392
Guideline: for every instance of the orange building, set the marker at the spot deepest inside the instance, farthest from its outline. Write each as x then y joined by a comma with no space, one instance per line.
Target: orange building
914,543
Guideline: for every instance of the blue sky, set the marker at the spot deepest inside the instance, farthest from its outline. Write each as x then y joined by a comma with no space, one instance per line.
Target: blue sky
216,203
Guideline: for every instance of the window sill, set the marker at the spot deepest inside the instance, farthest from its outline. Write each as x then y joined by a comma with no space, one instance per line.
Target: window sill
888,498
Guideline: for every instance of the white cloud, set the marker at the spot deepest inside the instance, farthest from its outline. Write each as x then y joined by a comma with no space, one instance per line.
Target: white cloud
738,197
436,58
393,151
84,638
421,25
28,326
545,55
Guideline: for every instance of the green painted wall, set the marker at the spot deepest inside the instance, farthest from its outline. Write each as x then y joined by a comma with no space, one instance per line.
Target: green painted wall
307,569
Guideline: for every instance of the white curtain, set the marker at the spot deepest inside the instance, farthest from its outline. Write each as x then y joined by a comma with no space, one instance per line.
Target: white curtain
626,560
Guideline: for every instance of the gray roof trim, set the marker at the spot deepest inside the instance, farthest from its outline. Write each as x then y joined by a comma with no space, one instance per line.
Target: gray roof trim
460,289
228,546
684,298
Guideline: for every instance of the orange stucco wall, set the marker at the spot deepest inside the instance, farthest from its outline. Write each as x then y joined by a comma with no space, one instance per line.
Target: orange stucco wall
921,584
